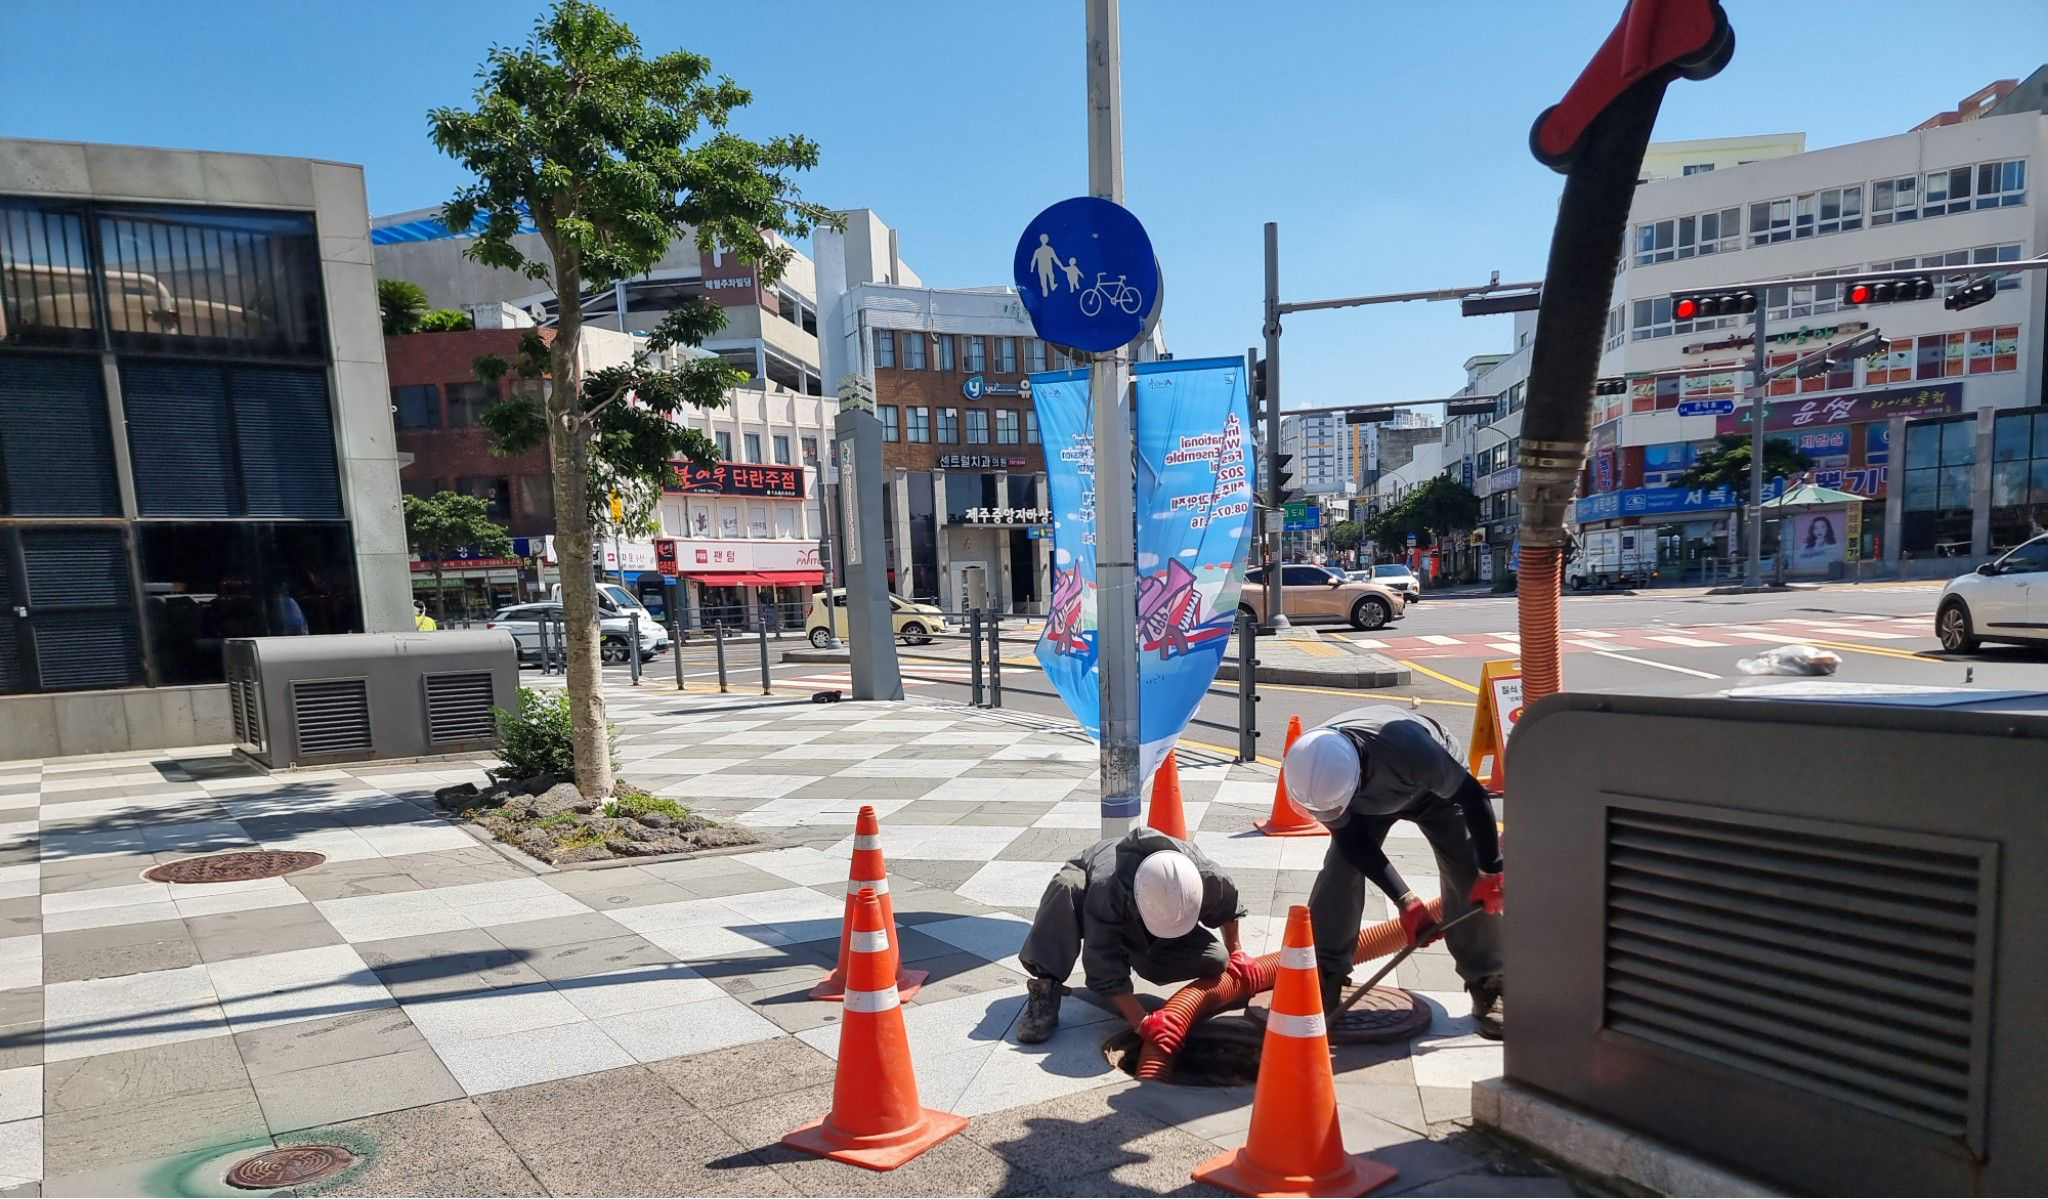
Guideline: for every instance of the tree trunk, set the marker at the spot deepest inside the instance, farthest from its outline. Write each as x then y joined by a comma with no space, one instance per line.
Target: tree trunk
569,454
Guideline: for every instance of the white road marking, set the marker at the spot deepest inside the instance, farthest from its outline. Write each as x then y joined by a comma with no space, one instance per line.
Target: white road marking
1700,674
1369,642
1688,642
1506,647
1439,639
1600,633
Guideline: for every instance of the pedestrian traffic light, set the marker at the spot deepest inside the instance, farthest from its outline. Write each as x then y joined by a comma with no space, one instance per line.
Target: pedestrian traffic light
1859,292
1973,292
1698,305
1609,387
1258,388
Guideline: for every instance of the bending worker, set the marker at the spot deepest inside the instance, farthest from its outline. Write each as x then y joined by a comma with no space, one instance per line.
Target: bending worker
1131,903
1359,774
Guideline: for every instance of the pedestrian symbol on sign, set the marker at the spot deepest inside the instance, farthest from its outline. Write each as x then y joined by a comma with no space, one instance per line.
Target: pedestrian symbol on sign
1085,271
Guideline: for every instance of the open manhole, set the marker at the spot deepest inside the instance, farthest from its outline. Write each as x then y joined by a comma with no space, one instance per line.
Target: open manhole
234,867
290,1165
1223,1052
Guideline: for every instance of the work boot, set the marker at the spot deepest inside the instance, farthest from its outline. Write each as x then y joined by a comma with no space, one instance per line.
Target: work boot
1041,1010
1334,988
1489,1005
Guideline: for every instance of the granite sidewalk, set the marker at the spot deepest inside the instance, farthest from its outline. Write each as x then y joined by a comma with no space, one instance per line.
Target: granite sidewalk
467,1021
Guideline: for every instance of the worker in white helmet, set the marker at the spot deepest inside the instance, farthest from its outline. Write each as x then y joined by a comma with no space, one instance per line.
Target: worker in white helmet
1362,772
1142,902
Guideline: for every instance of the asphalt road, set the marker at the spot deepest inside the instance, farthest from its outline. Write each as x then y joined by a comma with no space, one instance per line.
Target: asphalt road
1673,642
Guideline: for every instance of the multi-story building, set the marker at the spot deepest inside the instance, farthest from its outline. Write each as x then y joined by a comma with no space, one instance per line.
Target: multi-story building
1323,449
195,437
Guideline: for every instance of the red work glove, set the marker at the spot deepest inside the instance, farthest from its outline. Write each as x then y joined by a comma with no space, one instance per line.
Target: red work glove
1243,968
1416,922
1486,893
1163,1029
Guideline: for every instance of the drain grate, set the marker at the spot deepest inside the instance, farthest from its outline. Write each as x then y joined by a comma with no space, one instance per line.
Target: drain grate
291,1165
234,867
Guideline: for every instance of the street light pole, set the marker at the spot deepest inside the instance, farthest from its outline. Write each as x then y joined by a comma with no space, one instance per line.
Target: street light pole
1275,618
1109,396
825,571
1753,570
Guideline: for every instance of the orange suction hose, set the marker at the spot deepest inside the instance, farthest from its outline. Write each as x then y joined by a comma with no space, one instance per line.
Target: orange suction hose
1204,998
1540,622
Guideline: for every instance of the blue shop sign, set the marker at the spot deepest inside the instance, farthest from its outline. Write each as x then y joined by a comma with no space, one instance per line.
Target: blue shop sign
1663,501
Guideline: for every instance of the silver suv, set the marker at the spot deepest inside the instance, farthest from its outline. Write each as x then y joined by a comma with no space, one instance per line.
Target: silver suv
616,632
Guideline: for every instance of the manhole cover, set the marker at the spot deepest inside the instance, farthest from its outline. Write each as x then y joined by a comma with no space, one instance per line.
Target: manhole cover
234,867
289,1166
1384,1014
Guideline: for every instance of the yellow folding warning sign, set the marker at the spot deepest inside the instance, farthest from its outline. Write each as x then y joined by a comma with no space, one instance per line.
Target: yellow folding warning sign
1500,707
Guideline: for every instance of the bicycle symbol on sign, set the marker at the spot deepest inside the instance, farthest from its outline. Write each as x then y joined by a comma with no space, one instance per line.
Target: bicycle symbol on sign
1114,292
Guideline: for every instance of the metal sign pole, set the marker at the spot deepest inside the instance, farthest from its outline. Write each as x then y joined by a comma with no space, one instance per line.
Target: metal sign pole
1109,395
1276,618
1753,573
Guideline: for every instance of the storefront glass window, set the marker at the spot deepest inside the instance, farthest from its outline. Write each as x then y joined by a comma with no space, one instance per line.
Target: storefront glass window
206,582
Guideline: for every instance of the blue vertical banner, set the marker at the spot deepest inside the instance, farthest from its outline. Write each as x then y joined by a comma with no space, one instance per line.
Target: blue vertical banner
1194,520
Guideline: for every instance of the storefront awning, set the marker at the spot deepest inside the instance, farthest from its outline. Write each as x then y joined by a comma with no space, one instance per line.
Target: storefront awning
793,578
729,580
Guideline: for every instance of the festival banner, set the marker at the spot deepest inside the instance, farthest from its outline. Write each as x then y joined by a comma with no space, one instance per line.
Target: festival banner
1066,646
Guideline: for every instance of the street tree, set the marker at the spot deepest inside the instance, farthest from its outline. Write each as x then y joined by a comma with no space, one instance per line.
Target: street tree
1726,464
610,155
1429,511
1345,536
402,303
439,527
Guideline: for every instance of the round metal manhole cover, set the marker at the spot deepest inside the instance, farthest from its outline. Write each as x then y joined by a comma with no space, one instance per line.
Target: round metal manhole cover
234,867
292,1165
1383,1014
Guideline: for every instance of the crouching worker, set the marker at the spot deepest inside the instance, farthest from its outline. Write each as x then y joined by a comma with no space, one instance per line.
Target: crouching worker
1359,774
1132,903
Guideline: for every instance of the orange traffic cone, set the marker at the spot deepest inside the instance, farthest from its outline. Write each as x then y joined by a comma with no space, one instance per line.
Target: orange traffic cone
1295,1146
1287,820
876,1120
868,871
1165,813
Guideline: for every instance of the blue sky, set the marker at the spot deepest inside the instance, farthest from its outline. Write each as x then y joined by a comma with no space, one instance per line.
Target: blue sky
1389,140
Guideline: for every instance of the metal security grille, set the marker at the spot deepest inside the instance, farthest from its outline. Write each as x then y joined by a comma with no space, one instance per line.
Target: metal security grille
331,715
459,707
1851,965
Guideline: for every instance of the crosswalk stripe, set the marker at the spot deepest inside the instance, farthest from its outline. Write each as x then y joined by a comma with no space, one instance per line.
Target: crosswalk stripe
1689,642
1440,639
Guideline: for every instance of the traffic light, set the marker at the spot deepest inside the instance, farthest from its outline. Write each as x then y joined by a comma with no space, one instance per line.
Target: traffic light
1860,292
1283,475
1368,416
1698,305
1609,387
1258,388
1973,292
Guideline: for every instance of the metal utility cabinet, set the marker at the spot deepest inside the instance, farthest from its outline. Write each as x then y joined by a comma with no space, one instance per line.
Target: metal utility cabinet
1803,933
302,701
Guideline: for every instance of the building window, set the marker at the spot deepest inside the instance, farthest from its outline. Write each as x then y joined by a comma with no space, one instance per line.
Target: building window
947,352
1688,236
1937,499
56,453
467,402
724,441
210,581
949,426
2002,184
2019,476
1841,210
1006,355
810,446
1030,427
977,354
46,273
1770,221
887,415
781,443
496,493
212,280
1698,168
416,407
785,522
535,495
977,426
1035,349
752,442
918,425
885,349
1006,426
230,441
757,520
1894,200
913,352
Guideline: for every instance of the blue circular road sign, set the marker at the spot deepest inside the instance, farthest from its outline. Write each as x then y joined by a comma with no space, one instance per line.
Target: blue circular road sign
1086,272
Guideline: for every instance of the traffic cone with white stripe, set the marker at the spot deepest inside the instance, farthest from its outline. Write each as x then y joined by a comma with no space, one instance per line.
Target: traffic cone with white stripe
876,1119
1166,813
1288,820
868,871
1295,1146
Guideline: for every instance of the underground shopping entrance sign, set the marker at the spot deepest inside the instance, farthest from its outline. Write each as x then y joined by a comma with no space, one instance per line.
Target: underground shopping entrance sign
1194,520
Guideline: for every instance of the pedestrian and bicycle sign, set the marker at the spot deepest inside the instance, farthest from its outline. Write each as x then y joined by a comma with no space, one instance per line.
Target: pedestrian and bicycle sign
1087,275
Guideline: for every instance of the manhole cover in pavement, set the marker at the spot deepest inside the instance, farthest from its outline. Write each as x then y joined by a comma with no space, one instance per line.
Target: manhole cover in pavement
289,1166
1383,1014
234,867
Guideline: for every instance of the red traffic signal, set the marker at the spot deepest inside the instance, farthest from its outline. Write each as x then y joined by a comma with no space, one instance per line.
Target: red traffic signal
1887,291
1698,305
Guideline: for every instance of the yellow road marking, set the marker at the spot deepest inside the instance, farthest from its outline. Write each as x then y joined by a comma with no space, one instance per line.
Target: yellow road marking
1229,751
1460,684
1882,651
1357,694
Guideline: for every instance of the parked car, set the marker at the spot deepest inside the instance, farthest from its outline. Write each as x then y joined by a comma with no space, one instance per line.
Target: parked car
914,623
1319,593
615,632
1392,575
2004,600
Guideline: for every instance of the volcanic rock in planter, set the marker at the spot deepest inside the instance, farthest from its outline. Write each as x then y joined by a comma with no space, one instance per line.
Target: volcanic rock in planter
627,848
537,784
654,819
562,797
535,841
458,796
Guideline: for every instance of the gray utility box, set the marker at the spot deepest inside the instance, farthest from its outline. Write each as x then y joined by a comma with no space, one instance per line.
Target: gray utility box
357,697
1803,935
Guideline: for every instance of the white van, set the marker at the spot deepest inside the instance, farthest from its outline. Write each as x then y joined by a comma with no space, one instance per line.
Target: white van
614,600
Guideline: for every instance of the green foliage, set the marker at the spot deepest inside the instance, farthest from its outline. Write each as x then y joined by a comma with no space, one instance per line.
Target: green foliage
557,820
1345,535
534,738
583,838
403,305
1504,582
437,526
446,320
632,800
1727,463
1429,511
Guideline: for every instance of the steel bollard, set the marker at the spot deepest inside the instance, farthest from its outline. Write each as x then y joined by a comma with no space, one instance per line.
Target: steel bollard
633,650
974,657
995,658
675,646
718,639
1247,688
540,628
765,688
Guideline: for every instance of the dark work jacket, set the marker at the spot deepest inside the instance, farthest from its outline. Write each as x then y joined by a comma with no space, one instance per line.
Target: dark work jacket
1408,769
1112,932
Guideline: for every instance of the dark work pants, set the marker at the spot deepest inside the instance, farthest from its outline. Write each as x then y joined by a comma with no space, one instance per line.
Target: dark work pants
1337,901
1054,943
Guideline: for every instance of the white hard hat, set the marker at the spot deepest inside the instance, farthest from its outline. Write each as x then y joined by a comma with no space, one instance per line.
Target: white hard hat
1169,893
1322,773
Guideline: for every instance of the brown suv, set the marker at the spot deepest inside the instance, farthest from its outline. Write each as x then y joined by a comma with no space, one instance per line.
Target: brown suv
1316,593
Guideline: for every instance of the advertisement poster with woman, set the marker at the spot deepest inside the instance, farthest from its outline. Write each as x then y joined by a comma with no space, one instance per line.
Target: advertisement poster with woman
1814,541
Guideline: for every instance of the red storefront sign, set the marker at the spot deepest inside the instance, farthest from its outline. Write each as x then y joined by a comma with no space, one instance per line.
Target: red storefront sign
665,557
1932,399
741,478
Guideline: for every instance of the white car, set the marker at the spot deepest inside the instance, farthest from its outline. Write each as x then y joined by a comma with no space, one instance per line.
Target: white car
615,632
2005,600
1394,576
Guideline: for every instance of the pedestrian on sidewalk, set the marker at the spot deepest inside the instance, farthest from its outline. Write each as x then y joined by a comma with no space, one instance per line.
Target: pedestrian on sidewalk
1143,903
1361,772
